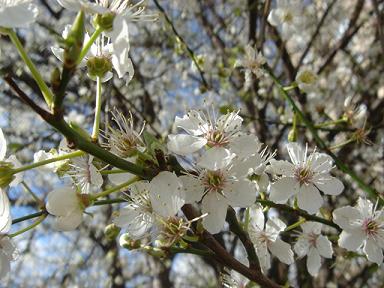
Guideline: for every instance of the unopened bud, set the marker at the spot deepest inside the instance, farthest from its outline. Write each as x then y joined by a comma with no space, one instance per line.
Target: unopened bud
128,243
98,66
292,135
111,232
74,41
104,21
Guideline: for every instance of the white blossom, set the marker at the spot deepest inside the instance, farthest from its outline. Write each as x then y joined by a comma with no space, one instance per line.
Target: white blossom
363,225
149,202
206,130
220,182
304,177
8,253
67,205
17,13
9,163
266,240
313,245
287,15
252,62
306,80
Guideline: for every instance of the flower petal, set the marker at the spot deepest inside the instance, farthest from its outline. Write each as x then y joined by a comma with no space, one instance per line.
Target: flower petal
273,227
330,185
309,199
281,167
256,216
62,201
263,256
296,153
282,250
324,246
351,240
3,145
311,227
313,262
216,206
193,189
183,144
346,216
283,189
216,158
18,15
192,123
69,222
301,247
245,145
240,193
373,251
166,194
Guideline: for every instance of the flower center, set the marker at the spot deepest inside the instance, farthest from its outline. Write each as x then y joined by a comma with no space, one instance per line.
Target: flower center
216,138
214,181
370,227
307,77
304,175
287,17
312,237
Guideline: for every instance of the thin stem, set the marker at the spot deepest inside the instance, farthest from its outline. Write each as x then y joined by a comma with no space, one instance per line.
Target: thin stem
88,45
47,93
298,212
116,188
27,217
34,196
331,123
341,144
96,123
290,87
48,161
114,171
204,253
30,227
294,225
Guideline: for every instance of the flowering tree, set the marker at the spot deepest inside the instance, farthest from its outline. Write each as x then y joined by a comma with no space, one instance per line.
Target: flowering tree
245,135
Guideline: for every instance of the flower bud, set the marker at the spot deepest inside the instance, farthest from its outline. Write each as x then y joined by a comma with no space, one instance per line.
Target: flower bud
292,135
74,42
105,21
6,174
98,66
128,243
111,232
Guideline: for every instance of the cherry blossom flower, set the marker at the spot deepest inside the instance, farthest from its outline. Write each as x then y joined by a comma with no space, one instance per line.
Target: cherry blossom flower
84,174
17,13
8,253
220,182
287,15
265,238
304,177
363,225
68,206
149,202
314,245
306,80
252,63
206,130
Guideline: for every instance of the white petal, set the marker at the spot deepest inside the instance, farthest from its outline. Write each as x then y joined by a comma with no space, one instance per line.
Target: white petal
183,144
330,185
321,163
324,246
96,178
365,207
216,206
58,52
273,18
281,167
62,201
373,251
120,178
69,222
311,227
301,247
282,250
263,256
192,123
256,216
3,145
351,240
230,122
346,216
216,158
5,215
273,227
193,189
18,176
240,193
283,189
245,145
5,266
19,15
309,199
166,194
296,153
313,262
